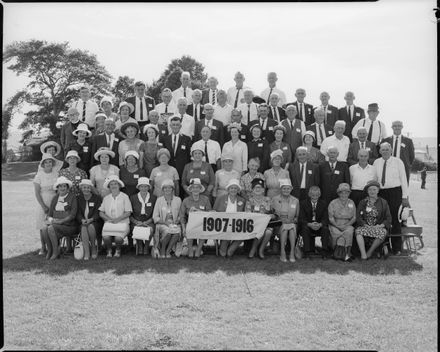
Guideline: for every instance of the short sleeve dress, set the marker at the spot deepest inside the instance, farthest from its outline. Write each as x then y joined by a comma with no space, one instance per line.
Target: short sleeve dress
158,176
98,176
46,182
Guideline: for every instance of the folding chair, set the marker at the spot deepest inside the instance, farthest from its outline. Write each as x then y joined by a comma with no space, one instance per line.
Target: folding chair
409,233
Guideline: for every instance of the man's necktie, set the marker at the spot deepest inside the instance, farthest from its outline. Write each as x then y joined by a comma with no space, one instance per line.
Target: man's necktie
84,111
301,112
325,114
275,117
236,98
166,109
363,145
142,110
396,141
291,124
370,132
213,97
349,113
320,134
270,93
332,166
195,113
313,211
301,174
206,152
249,113
181,117
384,171
184,92
174,144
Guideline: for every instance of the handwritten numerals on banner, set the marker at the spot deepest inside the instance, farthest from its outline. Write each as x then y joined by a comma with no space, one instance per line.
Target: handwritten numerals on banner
227,225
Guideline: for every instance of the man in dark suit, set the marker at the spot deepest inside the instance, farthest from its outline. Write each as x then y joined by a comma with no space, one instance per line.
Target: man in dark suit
107,139
295,129
275,112
66,130
305,111
195,109
236,116
331,174
361,143
313,221
319,128
266,124
179,146
142,103
331,113
217,128
403,147
210,95
303,174
351,114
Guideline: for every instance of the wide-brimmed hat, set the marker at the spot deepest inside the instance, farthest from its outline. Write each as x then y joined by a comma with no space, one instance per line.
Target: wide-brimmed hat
62,180
276,153
84,128
143,181
234,125
285,182
343,187
196,182
373,107
257,182
257,125
48,144
102,151
85,182
150,125
106,99
371,183
227,156
234,182
132,153
127,124
130,106
167,182
162,151
112,178
310,133
47,156
196,147
279,128
72,153
100,114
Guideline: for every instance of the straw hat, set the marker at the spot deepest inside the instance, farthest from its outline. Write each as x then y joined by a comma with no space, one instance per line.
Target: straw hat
62,180
102,151
370,184
343,187
285,182
106,99
132,153
130,106
100,114
195,147
72,153
279,128
195,182
162,151
154,127
84,128
112,178
85,182
143,181
129,123
167,182
276,153
234,182
48,144
47,156
310,133
227,156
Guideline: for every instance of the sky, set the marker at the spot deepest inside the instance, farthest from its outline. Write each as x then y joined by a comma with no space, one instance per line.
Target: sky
385,52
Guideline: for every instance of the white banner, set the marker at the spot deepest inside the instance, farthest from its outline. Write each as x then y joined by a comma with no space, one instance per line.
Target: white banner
226,226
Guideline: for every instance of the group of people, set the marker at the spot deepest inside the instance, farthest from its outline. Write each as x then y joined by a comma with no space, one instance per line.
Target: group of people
318,171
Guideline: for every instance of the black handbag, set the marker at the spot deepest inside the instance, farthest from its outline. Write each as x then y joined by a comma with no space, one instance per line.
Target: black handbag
340,252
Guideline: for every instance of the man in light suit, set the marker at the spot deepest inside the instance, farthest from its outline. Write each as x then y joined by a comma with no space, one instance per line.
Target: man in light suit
275,112
351,114
303,174
142,103
195,109
210,95
217,128
402,147
361,143
320,128
184,91
331,113
305,111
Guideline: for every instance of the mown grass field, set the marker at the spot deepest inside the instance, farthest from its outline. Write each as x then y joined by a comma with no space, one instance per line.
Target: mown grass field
210,303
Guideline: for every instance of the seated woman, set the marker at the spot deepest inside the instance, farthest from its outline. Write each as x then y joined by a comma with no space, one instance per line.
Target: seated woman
196,201
230,203
115,210
275,174
313,154
278,144
163,172
103,170
286,207
258,203
198,169
166,217
129,130
373,219
54,149
342,216
142,216
60,221
148,149
224,175
44,192
88,217
258,147
131,172
246,179
73,173
83,146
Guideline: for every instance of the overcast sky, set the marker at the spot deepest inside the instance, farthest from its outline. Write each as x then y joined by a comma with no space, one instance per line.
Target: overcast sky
385,52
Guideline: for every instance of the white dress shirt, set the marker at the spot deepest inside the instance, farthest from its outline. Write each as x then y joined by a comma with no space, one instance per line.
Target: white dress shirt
360,176
395,175
244,108
341,144
171,111
91,109
178,93
379,130
317,135
301,109
176,142
214,150
223,114
239,153
265,95
232,93
197,111
188,125
137,110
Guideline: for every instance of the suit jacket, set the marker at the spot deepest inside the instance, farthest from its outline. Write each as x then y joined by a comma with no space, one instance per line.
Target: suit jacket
66,135
221,203
101,141
312,176
268,133
244,134
183,151
308,112
353,150
281,113
359,114
148,100
306,212
259,149
94,204
217,131
332,115
406,152
205,96
293,137
189,111
328,131
329,181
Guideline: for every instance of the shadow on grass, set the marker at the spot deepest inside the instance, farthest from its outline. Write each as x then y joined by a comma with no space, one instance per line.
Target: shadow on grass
209,263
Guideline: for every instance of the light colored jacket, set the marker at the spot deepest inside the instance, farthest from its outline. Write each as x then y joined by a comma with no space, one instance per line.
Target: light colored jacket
160,209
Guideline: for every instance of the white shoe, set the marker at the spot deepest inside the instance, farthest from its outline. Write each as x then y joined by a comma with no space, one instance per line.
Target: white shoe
118,253
109,254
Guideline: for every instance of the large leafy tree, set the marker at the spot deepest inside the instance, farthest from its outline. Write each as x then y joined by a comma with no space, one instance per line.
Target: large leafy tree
56,72
123,88
6,122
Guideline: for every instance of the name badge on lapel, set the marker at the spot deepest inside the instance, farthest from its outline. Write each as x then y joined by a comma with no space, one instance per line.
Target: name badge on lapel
270,128
329,111
91,204
183,147
136,176
116,139
358,114
150,105
243,136
330,132
284,148
310,111
260,145
202,172
159,174
85,149
148,204
350,205
368,148
77,177
163,132
257,208
336,172
202,207
298,130
293,206
402,145
214,127
309,172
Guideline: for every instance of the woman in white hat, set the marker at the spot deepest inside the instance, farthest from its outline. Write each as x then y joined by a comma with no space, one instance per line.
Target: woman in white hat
125,109
107,106
258,147
237,149
275,174
131,172
44,192
61,218
148,149
83,146
129,131
103,170
230,203
196,201
167,220
313,154
115,210
198,169
54,149
142,215
73,172
88,216
99,123
278,144
163,172
224,175
286,207
246,179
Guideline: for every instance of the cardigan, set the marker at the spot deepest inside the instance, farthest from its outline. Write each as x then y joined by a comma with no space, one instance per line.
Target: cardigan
160,209
94,204
70,209
137,207
221,203
384,215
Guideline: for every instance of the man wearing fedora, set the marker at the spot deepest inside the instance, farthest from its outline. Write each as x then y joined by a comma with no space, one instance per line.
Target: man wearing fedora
66,135
86,107
376,128
142,103
107,139
350,113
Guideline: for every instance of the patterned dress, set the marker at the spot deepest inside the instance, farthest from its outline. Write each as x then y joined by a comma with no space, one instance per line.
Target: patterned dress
370,216
75,177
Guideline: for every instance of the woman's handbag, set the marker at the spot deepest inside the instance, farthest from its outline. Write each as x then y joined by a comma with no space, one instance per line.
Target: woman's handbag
141,233
298,248
340,252
78,252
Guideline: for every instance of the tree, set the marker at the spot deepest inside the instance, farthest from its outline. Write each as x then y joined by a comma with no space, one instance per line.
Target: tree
6,122
56,72
170,78
123,88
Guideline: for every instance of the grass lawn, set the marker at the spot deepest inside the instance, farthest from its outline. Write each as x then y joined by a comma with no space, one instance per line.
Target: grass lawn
212,303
